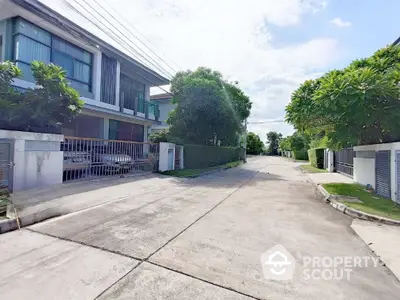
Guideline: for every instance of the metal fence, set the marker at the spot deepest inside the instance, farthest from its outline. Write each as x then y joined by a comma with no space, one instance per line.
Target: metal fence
6,164
344,161
89,157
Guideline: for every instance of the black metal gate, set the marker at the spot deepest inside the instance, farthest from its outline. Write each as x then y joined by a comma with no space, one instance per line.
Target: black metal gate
382,173
6,164
344,161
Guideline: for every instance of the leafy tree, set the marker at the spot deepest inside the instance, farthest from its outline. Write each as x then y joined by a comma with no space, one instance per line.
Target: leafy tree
273,139
356,105
160,137
208,109
44,108
254,144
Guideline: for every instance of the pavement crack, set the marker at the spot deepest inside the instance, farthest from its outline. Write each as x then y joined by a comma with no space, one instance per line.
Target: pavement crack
84,244
203,280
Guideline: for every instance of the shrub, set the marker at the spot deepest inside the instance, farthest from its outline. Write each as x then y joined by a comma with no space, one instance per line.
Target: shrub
316,157
300,154
199,156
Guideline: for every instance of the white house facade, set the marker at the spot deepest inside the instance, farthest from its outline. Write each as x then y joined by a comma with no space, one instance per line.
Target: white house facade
165,105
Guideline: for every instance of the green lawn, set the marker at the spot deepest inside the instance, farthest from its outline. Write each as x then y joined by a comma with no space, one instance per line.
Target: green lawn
372,203
193,172
311,169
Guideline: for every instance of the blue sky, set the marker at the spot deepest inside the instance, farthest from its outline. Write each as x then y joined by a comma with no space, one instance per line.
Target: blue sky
374,24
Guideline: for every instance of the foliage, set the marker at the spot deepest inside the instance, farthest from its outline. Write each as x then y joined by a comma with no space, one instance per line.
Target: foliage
371,203
316,157
44,108
203,156
254,144
159,137
273,139
311,169
208,109
354,106
301,154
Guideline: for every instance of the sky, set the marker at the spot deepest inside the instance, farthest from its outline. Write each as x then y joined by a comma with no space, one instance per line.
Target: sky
270,47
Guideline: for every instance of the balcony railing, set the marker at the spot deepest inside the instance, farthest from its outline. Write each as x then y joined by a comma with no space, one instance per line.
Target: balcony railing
151,110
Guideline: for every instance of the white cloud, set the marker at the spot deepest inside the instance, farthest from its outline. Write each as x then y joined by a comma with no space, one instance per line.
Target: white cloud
340,23
232,36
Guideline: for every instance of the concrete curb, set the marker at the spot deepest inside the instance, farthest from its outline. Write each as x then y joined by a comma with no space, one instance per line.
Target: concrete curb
30,219
332,200
211,172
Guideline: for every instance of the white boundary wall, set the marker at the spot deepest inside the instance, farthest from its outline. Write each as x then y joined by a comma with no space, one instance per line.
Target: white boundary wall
38,161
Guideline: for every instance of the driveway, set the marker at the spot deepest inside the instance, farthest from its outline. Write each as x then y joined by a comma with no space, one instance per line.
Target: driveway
197,239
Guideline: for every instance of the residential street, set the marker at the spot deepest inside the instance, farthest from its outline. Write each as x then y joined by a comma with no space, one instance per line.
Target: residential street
196,239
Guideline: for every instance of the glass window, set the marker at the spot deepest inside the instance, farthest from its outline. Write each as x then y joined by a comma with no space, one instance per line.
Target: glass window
33,43
64,61
81,71
1,48
79,86
141,102
72,50
32,31
28,50
26,71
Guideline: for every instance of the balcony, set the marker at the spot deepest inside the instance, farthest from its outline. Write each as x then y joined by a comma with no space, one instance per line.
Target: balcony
139,108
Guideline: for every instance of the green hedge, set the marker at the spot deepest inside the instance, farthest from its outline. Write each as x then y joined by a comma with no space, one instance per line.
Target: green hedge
300,154
199,156
316,157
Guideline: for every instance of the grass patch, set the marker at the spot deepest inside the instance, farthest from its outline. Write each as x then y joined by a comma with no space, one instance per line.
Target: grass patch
194,172
3,207
311,169
372,203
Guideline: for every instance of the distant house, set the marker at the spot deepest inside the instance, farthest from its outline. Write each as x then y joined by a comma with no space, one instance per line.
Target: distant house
165,105
114,85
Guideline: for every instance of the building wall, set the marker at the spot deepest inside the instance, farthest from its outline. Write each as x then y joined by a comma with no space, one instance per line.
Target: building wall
165,109
393,147
364,171
38,161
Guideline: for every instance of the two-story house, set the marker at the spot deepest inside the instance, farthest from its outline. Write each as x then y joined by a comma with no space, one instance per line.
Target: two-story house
165,105
114,85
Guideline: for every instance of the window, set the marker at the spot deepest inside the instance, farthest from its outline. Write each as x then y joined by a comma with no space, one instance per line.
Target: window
33,43
131,90
1,48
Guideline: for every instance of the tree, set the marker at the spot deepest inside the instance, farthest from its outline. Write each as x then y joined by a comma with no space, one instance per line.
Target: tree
273,139
354,106
254,144
160,137
208,109
44,108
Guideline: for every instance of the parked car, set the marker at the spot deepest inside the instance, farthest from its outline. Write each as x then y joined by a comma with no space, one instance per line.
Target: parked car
76,160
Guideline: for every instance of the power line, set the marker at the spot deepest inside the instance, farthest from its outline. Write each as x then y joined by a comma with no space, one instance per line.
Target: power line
143,52
133,27
120,41
91,44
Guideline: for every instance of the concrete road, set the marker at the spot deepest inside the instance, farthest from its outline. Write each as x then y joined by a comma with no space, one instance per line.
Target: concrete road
198,239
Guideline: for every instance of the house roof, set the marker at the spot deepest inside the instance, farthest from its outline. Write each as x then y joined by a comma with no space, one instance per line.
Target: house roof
65,16
158,97
396,42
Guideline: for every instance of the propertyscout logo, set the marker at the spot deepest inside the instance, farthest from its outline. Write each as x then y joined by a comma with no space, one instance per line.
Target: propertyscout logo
278,264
